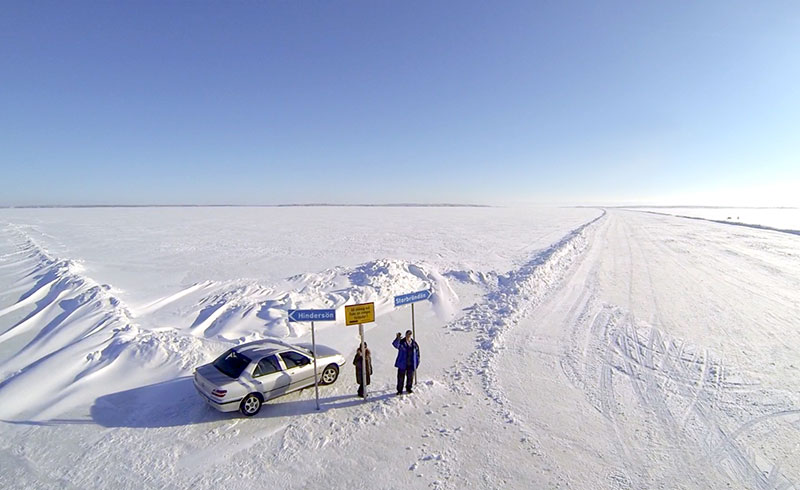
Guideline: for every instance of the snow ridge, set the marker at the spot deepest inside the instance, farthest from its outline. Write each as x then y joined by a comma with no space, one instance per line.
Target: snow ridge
518,291
80,341
729,222
241,311
514,296
59,284
76,332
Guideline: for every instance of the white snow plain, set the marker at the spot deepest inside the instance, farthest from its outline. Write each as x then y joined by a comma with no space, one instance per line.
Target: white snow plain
780,219
561,348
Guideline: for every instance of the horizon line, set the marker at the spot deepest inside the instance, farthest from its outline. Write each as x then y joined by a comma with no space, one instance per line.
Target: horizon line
388,205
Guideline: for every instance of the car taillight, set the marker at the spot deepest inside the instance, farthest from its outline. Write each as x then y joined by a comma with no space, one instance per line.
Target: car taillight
218,392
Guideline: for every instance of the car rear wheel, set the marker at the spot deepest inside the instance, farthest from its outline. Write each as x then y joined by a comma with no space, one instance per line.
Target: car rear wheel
250,405
329,374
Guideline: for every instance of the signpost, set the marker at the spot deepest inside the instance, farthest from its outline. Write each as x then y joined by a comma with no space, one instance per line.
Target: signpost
312,316
405,299
359,315
412,298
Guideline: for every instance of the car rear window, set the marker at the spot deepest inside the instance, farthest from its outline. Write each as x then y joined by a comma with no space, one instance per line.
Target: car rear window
231,363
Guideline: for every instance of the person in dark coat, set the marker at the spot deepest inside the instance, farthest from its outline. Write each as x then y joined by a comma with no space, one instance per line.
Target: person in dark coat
368,368
406,362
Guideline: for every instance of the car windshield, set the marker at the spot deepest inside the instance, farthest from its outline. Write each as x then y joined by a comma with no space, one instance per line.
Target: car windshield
231,363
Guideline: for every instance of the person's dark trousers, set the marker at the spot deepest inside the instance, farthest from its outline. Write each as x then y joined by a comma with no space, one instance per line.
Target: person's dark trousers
408,374
361,390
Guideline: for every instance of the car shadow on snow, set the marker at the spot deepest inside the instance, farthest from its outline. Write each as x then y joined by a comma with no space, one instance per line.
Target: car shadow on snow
170,403
176,403
277,408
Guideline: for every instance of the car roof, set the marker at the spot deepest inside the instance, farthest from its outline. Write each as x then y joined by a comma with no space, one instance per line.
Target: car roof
266,347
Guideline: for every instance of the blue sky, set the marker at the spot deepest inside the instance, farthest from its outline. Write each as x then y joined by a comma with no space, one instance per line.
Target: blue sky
377,101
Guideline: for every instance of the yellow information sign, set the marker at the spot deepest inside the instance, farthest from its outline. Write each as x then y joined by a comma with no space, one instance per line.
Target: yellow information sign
356,314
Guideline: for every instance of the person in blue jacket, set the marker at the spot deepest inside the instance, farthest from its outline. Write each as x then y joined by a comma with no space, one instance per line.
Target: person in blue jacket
407,361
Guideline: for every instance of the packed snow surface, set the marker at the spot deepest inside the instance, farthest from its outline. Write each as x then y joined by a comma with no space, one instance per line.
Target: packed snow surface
561,348
782,219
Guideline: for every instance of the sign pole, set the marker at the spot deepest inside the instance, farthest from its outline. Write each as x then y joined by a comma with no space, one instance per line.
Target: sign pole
311,316
411,298
413,334
363,360
314,348
359,315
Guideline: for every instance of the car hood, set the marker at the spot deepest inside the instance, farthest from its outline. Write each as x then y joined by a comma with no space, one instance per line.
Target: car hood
322,350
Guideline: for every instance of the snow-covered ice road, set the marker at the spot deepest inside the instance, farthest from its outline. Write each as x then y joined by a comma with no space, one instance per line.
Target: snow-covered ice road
637,351
668,358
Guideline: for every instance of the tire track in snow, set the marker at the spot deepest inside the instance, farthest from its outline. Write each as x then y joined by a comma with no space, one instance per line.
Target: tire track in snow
513,297
704,385
716,447
641,378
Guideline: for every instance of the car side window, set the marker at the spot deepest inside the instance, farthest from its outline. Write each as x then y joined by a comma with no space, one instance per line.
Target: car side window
268,365
294,359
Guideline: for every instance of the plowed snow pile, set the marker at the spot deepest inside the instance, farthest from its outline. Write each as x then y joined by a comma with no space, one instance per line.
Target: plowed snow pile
561,347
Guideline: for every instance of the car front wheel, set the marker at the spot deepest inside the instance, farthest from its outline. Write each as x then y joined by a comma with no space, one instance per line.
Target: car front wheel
250,405
330,374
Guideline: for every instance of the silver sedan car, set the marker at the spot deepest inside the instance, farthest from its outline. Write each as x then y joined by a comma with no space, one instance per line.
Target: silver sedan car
246,376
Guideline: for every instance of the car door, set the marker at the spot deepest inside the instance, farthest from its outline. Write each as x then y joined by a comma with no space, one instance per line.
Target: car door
270,378
300,369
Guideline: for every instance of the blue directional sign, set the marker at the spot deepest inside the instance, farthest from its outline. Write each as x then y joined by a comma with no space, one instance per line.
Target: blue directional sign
312,315
405,299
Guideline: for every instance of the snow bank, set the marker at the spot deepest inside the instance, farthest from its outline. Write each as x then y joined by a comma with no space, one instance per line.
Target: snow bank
81,341
241,311
785,220
514,294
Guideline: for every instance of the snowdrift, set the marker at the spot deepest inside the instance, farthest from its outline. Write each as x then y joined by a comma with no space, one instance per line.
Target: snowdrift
79,341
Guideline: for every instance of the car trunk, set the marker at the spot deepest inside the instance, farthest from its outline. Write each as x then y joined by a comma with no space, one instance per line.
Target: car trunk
213,376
